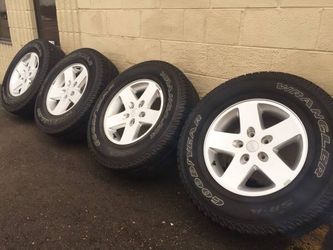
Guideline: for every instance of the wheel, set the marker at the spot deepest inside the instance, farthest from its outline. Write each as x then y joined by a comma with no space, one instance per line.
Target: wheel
254,155
136,122
70,90
25,75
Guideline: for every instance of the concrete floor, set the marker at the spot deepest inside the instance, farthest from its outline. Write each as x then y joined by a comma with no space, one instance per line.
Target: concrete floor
54,196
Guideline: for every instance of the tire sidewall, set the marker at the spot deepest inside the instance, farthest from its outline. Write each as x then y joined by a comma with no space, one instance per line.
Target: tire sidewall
149,143
307,188
53,124
14,103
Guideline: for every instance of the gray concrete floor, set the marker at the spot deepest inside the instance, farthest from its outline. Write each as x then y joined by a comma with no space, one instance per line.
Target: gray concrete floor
54,196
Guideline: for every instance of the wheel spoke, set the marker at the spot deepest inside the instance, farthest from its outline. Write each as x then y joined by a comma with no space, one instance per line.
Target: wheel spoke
33,75
32,62
80,80
20,68
249,116
75,97
116,121
69,75
25,86
150,116
127,97
236,174
130,133
56,93
18,86
149,95
283,132
221,141
18,83
62,106
276,170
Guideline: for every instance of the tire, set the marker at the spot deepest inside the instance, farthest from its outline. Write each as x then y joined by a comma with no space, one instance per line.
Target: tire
66,113
43,56
246,202
148,151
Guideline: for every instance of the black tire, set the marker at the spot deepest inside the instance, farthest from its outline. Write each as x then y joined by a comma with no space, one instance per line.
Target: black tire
48,55
299,207
73,123
150,154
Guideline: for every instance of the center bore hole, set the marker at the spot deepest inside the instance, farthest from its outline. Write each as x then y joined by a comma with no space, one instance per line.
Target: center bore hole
251,132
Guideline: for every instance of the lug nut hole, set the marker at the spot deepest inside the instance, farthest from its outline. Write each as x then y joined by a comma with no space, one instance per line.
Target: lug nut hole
263,156
245,158
131,105
266,139
132,121
141,103
251,132
237,143
142,114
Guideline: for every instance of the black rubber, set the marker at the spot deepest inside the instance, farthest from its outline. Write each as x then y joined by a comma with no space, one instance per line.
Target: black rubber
73,124
298,208
149,155
49,55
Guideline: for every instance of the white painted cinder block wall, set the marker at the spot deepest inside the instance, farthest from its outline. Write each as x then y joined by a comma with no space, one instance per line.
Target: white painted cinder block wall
210,40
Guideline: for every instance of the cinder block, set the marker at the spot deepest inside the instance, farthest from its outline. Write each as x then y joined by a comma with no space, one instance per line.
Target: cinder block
282,28
93,21
145,4
60,20
306,3
184,4
231,61
243,3
121,65
315,66
223,26
195,25
31,19
190,57
123,22
75,21
83,4
69,20
140,50
163,24
325,39
67,4
204,84
105,4
73,4
115,47
60,4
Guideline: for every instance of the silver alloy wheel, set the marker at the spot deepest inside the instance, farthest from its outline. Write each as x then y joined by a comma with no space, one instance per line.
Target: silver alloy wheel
255,147
23,74
133,112
67,89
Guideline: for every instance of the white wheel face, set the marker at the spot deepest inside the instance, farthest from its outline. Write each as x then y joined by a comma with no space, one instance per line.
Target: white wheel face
133,112
23,74
67,89
255,147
